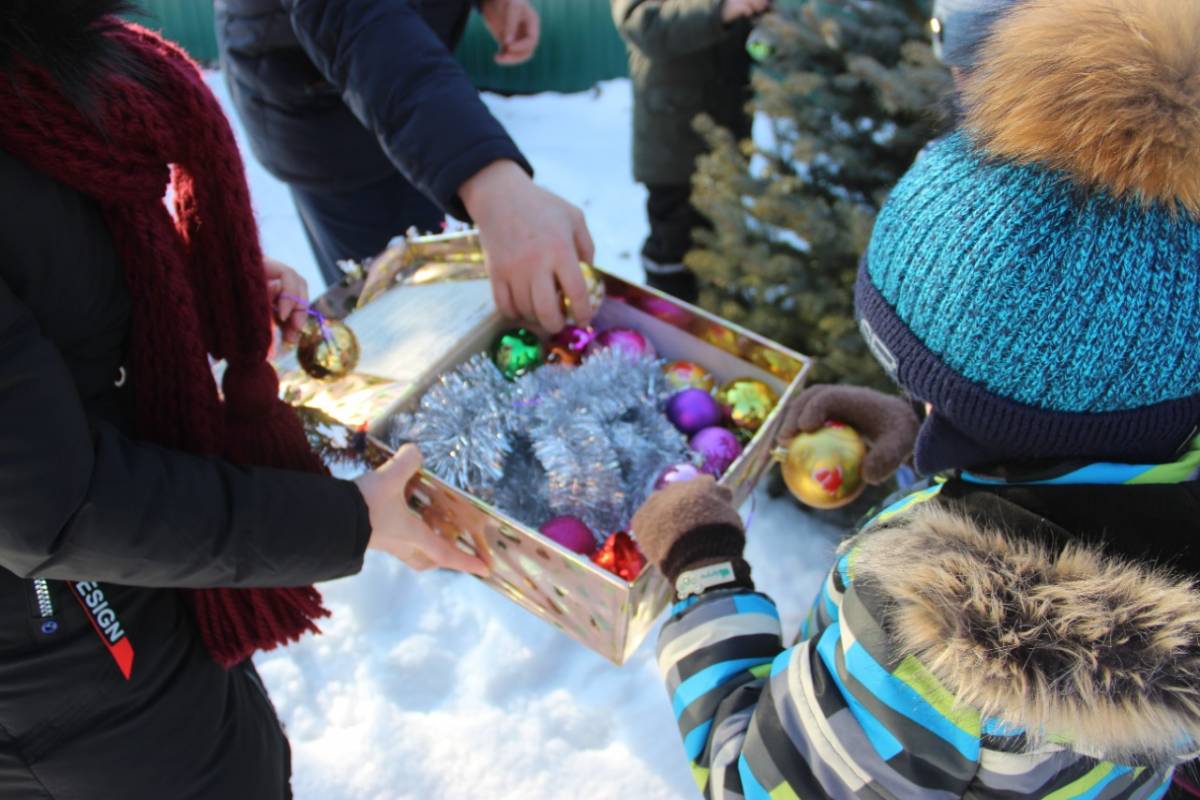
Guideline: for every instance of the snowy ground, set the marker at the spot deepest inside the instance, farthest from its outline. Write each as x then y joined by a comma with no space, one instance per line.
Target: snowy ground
432,685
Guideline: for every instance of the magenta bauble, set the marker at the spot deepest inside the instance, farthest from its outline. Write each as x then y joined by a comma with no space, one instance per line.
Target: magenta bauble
663,309
718,447
625,339
693,410
574,338
676,473
571,533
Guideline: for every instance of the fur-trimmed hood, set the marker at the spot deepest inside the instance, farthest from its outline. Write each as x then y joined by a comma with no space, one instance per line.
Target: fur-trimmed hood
1069,644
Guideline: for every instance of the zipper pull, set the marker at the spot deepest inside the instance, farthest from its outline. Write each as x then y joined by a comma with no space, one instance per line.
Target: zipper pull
45,606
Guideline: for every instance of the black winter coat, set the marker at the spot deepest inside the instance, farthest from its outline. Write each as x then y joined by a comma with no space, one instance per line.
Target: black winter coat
337,94
113,527
684,61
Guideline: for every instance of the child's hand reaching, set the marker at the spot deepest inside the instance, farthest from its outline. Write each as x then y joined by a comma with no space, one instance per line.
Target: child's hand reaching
689,524
735,9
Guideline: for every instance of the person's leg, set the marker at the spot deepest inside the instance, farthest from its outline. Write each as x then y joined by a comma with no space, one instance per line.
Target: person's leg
672,219
359,223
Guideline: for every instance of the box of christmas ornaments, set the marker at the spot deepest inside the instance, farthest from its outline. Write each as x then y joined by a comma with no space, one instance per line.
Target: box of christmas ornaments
538,449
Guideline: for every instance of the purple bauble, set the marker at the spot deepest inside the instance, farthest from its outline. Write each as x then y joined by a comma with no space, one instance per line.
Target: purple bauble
719,447
676,473
571,533
693,409
626,339
574,338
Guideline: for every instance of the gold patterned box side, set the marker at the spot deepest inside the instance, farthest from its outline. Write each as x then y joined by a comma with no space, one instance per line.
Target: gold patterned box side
404,350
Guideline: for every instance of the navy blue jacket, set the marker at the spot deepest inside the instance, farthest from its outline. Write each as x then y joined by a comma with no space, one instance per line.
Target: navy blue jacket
336,94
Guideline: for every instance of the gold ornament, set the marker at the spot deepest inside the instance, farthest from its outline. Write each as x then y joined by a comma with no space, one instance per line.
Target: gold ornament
595,292
328,349
688,375
748,402
823,469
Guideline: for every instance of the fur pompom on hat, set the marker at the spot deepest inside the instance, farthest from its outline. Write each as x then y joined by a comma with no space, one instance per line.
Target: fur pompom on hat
1105,91
1034,276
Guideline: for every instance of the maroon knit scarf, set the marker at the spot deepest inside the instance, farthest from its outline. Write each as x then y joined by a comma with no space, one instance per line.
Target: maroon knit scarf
196,282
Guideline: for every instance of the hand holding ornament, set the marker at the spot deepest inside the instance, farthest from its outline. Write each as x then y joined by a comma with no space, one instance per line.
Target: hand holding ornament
533,242
287,293
400,531
888,423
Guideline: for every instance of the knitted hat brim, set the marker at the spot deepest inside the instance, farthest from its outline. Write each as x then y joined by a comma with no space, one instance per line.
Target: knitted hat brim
1002,430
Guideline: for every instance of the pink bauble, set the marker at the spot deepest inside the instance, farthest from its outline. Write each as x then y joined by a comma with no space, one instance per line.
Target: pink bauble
665,310
626,339
719,448
571,533
574,338
676,473
693,410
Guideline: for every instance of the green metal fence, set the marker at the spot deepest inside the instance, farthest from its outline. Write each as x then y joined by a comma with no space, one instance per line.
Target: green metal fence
188,22
579,45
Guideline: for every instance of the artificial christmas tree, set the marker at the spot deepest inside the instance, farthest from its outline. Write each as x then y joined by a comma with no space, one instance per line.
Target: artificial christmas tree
850,91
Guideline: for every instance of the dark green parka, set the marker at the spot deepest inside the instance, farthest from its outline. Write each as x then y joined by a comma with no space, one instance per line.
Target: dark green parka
683,60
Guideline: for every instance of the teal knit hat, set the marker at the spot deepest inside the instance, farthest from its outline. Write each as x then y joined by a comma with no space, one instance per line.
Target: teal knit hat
1036,275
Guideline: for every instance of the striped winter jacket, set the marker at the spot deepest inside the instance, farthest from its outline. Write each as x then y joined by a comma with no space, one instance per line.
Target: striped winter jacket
944,659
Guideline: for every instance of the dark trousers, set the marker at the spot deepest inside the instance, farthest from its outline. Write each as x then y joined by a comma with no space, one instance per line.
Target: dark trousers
358,223
672,219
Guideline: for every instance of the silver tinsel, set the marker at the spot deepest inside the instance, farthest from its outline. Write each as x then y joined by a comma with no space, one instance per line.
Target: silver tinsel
463,426
586,441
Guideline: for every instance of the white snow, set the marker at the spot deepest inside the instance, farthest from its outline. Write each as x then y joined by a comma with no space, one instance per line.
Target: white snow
431,685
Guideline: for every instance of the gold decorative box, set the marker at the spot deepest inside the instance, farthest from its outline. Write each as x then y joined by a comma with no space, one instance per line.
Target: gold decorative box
423,308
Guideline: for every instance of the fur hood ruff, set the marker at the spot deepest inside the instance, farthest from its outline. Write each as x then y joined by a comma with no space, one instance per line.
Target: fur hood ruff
1070,645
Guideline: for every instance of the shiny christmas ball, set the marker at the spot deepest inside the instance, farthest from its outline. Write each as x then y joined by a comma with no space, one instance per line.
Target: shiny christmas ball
748,402
718,447
574,338
685,375
595,291
620,555
823,468
516,352
676,473
626,339
692,410
327,349
571,533
760,47
562,356
661,308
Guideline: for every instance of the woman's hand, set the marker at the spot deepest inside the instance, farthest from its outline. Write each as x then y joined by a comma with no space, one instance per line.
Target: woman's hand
400,531
288,294
888,423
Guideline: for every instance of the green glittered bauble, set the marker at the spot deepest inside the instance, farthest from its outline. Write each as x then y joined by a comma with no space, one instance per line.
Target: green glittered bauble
760,47
516,352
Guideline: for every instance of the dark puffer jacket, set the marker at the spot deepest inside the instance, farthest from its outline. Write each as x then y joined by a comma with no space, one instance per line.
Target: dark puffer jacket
684,61
105,688
337,94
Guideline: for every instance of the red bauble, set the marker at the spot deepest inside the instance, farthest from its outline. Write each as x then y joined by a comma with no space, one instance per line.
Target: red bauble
620,555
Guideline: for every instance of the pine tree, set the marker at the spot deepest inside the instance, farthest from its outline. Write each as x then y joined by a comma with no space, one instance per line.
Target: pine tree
849,89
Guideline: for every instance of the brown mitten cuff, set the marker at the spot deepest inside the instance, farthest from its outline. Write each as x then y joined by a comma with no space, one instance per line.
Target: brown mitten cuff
705,545
680,509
